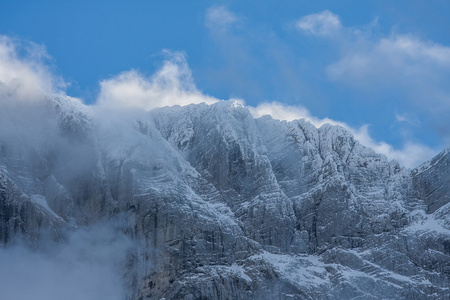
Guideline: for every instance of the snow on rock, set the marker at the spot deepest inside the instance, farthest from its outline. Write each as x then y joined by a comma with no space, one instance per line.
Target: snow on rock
224,206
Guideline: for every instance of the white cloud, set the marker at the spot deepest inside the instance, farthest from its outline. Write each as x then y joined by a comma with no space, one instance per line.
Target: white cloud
401,118
24,72
407,118
410,155
418,68
395,60
219,17
289,113
87,266
413,71
402,61
171,85
324,23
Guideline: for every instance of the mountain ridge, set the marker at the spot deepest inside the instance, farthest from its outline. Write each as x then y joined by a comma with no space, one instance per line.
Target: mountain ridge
221,205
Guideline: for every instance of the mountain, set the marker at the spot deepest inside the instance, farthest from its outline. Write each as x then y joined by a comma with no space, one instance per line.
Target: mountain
220,205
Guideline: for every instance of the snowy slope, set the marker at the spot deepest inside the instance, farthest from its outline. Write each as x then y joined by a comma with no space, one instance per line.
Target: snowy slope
221,205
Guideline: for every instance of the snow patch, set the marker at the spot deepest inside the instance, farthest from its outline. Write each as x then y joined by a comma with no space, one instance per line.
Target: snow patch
426,222
299,270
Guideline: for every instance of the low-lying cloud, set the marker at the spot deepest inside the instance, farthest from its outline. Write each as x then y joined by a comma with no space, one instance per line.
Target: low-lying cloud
87,266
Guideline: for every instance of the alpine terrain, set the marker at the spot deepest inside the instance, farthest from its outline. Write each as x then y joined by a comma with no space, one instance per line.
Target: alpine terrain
217,204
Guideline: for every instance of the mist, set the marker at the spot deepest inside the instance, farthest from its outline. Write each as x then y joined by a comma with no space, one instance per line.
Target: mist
88,265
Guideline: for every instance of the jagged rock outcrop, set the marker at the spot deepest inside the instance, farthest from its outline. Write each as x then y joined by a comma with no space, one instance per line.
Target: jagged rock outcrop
221,205
432,181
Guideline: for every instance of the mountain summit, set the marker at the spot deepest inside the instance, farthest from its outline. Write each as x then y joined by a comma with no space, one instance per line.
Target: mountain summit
220,205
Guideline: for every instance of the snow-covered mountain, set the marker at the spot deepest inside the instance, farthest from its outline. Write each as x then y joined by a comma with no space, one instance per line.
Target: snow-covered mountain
220,205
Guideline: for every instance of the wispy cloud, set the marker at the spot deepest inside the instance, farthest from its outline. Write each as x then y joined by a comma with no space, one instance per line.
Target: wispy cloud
416,69
408,119
324,23
171,85
395,60
87,266
24,70
220,18
232,42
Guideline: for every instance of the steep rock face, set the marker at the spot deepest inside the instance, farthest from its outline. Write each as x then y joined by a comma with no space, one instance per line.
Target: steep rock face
224,206
341,190
21,215
432,181
25,212
222,143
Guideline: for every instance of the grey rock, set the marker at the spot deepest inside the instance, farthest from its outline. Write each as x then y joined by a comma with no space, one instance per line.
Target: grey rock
432,181
220,205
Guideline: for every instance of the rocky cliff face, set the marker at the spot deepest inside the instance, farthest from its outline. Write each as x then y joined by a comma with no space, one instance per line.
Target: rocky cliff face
432,181
220,205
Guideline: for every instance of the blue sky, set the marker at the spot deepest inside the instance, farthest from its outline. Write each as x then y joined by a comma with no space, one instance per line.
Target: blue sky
379,67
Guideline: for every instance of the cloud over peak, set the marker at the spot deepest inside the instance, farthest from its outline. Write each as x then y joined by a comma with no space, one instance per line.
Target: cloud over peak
171,85
28,77
410,155
24,70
